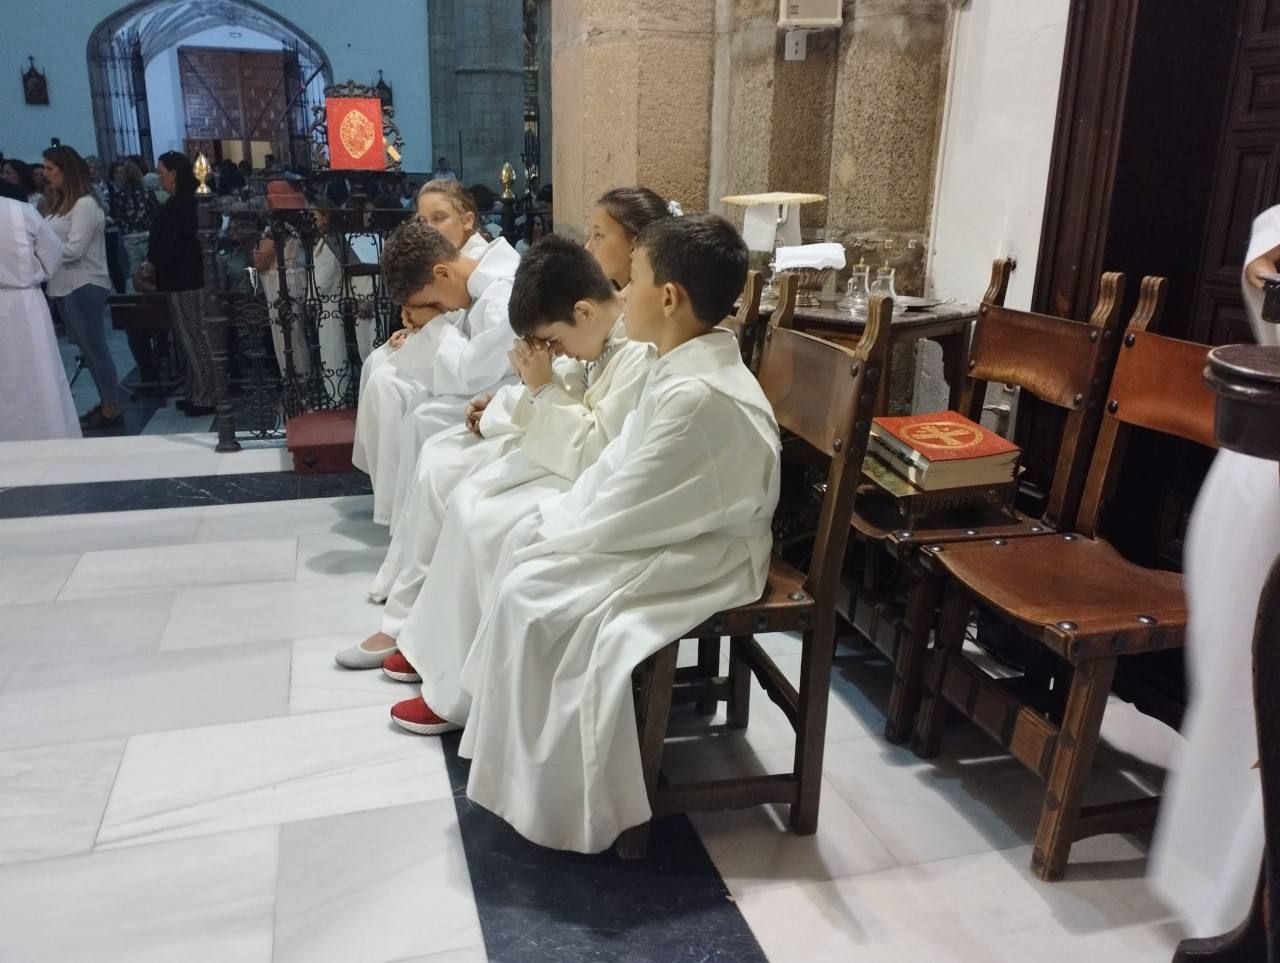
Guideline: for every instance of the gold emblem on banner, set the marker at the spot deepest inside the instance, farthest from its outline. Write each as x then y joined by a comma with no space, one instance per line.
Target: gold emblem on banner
357,133
942,434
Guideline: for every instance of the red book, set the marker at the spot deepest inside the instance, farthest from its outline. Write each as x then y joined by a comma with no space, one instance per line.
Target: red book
355,133
943,450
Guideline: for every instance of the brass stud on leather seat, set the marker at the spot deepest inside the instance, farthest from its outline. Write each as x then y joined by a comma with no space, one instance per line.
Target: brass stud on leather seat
796,596
999,541
1067,626
1146,620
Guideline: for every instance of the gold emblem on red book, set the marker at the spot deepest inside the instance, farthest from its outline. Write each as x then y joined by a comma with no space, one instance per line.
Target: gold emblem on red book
943,434
357,133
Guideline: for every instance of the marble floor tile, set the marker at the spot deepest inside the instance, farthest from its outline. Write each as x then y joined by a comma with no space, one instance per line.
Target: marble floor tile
374,887
331,554
52,798
347,515
317,683
124,695
66,534
196,901
236,614
755,848
254,460
23,471
116,467
170,421
28,580
980,908
259,561
82,628
469,954
218,778
63,449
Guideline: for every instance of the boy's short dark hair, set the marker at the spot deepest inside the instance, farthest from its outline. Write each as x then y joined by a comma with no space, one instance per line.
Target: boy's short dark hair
411,252
704,254
553,276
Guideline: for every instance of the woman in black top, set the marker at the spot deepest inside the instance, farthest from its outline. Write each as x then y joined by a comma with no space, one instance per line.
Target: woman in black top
175,264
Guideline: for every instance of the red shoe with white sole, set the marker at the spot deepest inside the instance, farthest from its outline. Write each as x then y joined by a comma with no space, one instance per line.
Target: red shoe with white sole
396,666
416,716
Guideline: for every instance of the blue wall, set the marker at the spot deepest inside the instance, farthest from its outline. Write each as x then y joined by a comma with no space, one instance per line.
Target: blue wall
390,35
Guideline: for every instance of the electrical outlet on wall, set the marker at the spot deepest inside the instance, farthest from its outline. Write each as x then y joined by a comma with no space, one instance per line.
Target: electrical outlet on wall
795,44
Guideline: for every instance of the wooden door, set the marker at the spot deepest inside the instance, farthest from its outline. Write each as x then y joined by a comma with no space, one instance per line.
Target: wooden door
1247,179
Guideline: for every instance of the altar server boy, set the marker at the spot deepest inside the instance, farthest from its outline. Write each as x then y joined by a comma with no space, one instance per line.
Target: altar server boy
670,525
443,365
522,446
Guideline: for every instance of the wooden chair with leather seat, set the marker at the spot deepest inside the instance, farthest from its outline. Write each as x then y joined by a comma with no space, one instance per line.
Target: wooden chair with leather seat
822,393
745,323
1062,362
1076,597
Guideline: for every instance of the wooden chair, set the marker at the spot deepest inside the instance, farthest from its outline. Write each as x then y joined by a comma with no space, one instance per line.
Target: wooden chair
822,393
1080,600
1062,362
745,323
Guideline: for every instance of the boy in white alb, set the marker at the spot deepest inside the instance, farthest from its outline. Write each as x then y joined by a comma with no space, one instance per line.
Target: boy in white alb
670,525
443,365
561,303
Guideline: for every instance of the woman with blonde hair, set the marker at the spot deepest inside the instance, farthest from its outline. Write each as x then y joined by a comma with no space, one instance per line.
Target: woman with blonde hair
133,208
81,283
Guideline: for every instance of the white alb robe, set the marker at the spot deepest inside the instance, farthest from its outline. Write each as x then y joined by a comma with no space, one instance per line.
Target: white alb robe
35,401
469,359
389,381
669,526
1265,236
1209,839
560,433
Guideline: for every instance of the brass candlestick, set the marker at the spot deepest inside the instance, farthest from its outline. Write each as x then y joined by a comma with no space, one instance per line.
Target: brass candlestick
201,169
508,179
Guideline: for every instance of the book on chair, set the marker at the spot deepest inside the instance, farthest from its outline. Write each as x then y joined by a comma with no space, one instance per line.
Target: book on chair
943,450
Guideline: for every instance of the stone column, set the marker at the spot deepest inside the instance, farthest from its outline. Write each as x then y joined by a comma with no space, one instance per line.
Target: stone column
477,86
631,95
543,56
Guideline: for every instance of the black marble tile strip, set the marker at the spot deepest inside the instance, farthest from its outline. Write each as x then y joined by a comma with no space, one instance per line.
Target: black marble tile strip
130,495
540,905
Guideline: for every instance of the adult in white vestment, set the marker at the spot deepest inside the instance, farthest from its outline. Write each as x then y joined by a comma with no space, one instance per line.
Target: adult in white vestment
35,401
670,525
1209,838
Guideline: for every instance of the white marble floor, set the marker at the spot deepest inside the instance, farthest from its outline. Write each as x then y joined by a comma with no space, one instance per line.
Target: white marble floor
135,456
184,775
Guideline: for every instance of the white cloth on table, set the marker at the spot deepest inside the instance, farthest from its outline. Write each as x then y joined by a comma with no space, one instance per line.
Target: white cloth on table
385,392
35,401
466,359
669,526
559,434
1209,838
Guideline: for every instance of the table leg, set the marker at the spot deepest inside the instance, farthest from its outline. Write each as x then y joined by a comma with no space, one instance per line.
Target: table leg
955,348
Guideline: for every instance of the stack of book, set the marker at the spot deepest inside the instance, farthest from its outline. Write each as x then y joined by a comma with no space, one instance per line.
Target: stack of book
943,455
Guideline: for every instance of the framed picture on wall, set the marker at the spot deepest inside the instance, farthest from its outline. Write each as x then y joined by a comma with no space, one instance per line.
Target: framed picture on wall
35,86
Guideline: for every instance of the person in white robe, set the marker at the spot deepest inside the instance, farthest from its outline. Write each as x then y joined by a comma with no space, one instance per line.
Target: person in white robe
564,418
1209,837
388,389
35,401
669,526
450,456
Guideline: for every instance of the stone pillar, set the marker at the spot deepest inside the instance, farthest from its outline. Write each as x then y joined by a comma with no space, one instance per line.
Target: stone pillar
771,118
631,94
477,86
542,55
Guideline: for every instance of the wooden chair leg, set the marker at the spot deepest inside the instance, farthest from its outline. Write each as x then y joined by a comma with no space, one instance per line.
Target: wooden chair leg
811,726
1072,759
948,642
652,714
739,708
1245,944
708,668
909,664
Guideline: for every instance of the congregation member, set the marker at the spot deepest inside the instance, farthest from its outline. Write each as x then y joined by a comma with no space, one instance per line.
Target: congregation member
670,525
35,401
1210,835
501,419
133,208
81,284
455,307
175,265
21,176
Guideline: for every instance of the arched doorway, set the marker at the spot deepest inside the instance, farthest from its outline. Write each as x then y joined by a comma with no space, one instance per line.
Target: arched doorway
122,45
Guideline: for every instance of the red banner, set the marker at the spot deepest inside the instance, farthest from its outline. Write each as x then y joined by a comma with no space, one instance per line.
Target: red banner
355,133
